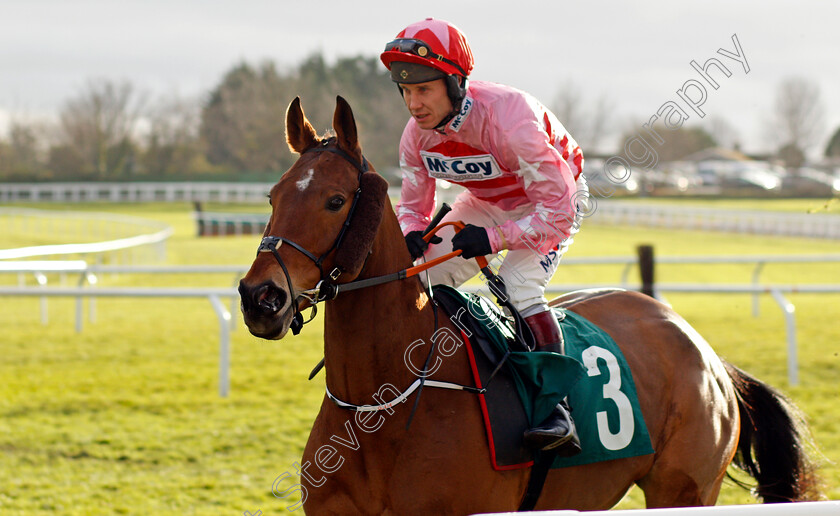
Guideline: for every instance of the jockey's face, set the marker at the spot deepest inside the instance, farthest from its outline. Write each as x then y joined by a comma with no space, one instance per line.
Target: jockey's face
427,102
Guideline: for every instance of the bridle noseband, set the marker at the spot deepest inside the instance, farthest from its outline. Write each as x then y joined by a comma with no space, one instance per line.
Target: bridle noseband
325,289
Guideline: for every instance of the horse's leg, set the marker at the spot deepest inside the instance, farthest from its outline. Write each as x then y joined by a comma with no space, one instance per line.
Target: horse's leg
675,486
592,487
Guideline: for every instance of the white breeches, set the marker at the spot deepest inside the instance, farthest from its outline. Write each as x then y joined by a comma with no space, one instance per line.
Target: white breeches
524,271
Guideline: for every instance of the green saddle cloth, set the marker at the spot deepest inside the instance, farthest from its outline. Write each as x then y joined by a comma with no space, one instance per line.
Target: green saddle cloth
593,374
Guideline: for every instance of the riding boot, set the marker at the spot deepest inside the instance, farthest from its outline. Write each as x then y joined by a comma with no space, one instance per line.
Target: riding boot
557,433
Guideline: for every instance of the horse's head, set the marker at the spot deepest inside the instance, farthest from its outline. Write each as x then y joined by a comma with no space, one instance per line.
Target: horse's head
326,211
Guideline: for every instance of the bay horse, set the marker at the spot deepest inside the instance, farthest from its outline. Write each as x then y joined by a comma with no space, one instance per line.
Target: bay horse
333,226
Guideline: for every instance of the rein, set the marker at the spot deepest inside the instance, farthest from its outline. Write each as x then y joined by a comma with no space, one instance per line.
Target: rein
325,292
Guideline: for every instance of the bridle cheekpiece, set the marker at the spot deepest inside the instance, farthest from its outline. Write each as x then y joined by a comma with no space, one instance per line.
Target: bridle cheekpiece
326,288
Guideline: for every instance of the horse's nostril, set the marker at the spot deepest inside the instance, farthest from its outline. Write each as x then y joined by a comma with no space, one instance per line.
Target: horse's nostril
269,299
266,298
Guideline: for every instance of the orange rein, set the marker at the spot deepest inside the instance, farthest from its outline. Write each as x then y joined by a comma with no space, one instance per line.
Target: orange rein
315,295
458,225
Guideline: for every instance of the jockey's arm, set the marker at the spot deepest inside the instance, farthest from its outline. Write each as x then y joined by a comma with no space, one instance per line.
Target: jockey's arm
549,185
417,194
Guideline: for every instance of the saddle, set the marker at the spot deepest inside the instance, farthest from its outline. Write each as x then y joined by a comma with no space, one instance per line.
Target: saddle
522,387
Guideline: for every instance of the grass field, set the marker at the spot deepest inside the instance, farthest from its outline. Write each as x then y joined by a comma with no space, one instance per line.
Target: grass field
124,417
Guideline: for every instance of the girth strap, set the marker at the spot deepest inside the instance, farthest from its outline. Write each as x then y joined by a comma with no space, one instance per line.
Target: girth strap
536,480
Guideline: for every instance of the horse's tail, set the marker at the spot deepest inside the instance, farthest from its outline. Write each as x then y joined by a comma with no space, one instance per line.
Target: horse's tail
772,443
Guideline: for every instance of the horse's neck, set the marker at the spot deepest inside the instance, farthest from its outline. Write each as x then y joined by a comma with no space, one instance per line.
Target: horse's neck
367,331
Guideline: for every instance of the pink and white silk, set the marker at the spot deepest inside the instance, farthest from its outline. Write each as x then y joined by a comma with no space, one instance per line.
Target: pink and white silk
507,150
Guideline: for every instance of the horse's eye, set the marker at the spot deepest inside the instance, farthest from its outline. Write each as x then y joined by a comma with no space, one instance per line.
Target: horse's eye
335,203
269,199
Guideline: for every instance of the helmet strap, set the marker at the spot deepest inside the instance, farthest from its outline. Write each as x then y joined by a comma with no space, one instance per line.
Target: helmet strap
456,90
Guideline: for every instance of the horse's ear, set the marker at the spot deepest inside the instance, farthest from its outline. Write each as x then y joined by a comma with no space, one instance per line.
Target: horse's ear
364,225
345,128
300,134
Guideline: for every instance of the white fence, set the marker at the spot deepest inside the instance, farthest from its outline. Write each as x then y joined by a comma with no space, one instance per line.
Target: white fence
134,192
776,291
759,263
608,211
831,508
89,274
131,233
214,295
811,225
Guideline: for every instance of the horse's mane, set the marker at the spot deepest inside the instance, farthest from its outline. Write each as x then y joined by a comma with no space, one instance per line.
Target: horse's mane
365,223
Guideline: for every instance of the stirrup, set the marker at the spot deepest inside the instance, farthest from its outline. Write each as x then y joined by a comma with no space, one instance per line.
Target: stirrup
567,446
545,438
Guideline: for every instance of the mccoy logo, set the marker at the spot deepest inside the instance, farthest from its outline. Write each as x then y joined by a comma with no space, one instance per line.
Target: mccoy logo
461,168
456,123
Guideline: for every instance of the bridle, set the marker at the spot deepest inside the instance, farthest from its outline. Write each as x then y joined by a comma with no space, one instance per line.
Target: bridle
325,289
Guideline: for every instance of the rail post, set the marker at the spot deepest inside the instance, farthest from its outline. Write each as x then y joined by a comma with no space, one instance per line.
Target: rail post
224,344
646,266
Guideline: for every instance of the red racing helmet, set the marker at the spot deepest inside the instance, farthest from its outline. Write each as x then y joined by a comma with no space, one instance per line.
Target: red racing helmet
433,43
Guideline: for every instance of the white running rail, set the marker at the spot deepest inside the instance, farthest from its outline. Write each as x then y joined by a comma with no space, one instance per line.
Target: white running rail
780,509
214,295
94,225
811,225
134,191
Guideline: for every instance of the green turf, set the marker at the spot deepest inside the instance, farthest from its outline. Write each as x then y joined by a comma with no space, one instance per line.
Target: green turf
125,416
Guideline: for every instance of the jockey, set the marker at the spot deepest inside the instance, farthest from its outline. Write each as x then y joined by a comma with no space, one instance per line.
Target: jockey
521,172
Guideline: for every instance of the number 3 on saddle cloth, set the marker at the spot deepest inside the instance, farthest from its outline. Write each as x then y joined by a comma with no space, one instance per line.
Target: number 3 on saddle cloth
593,374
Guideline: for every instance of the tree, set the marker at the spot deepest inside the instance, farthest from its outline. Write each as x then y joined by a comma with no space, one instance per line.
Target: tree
239,128
378,108
98,126
798,115
172,144
587,123
22,156
66,162
243,123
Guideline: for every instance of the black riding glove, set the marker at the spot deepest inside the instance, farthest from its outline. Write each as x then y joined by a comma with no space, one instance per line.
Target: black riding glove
417,246
472,241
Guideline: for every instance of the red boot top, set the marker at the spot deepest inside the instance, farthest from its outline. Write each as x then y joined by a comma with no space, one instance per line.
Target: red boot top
546,331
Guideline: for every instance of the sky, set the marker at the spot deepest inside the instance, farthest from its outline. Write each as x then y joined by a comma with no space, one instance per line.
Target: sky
636,54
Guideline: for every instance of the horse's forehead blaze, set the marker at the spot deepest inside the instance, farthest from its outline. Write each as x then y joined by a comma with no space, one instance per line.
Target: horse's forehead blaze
306,183
303,183
300,197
